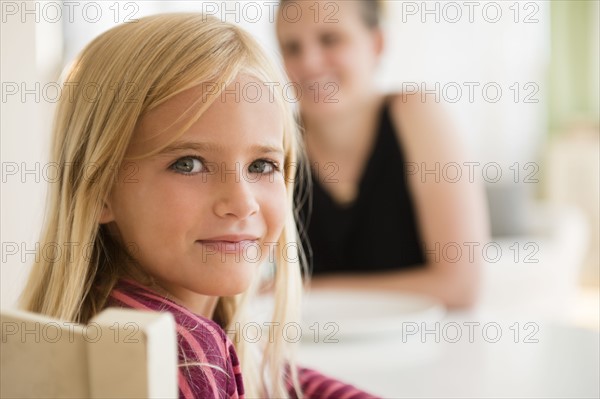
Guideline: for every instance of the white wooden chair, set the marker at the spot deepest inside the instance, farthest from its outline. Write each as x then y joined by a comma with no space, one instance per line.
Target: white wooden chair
121,353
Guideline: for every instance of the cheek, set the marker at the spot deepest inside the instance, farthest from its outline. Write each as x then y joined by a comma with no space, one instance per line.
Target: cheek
273,205
294,69
351,66
145,213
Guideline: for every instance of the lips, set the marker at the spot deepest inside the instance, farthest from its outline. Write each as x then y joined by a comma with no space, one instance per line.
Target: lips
229,243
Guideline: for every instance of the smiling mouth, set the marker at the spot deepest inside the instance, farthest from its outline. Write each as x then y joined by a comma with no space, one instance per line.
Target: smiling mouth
227,245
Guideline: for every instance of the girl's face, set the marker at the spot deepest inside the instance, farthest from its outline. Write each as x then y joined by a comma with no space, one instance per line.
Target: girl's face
201,215
328,49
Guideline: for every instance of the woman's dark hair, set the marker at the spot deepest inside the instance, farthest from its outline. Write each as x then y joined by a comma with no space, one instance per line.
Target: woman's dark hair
371,11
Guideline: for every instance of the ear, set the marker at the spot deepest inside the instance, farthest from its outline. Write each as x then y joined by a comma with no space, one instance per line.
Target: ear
378,41
106,214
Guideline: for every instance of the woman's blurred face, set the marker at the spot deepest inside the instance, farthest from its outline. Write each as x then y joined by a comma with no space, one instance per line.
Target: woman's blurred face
329,51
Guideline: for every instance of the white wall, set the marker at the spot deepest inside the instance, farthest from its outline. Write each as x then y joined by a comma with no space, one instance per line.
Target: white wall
25,126
421,49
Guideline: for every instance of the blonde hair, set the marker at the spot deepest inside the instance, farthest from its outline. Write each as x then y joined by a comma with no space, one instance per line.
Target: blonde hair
132,69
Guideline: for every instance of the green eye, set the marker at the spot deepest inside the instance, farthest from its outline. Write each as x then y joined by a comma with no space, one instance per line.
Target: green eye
188,165
262,166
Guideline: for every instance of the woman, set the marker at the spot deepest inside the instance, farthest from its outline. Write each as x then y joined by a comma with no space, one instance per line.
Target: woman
374,222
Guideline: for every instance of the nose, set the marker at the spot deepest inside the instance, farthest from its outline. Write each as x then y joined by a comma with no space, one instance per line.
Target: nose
235,198
310,61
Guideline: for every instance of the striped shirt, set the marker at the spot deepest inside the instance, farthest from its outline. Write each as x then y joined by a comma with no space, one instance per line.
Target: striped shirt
209,366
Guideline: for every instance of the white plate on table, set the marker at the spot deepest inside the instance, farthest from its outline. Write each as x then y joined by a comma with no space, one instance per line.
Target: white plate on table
333,315
358,314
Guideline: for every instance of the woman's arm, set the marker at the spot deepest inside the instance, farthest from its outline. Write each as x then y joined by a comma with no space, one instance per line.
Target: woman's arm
450,212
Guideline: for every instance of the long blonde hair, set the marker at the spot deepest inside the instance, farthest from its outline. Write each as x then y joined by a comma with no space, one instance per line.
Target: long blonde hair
121,75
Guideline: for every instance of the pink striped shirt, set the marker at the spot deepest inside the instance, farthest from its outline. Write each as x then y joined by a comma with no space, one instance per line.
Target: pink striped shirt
201,340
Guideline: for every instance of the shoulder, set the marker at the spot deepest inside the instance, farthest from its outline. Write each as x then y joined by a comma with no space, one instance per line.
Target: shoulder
208,362
198,333
403,102
419,110
425,127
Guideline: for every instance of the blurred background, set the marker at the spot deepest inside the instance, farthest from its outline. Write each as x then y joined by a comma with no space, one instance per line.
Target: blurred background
521,78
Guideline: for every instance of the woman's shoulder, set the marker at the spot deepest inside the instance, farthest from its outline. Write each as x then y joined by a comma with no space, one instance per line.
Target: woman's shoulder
424,126
405,101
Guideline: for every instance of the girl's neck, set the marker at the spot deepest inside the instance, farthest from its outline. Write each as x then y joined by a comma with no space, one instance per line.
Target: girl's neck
346,130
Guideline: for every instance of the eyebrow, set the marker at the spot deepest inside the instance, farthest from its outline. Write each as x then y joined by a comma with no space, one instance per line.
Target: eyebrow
178,146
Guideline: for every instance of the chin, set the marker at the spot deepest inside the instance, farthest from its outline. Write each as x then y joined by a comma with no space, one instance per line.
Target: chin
220,287
320,109
232,288
235,279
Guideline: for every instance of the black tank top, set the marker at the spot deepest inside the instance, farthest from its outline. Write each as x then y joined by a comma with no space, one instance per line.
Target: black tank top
376,232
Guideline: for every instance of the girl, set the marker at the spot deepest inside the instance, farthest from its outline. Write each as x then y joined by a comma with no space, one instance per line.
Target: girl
182,152
376,222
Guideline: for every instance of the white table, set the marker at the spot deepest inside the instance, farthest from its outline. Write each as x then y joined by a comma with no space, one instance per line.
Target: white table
564,363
